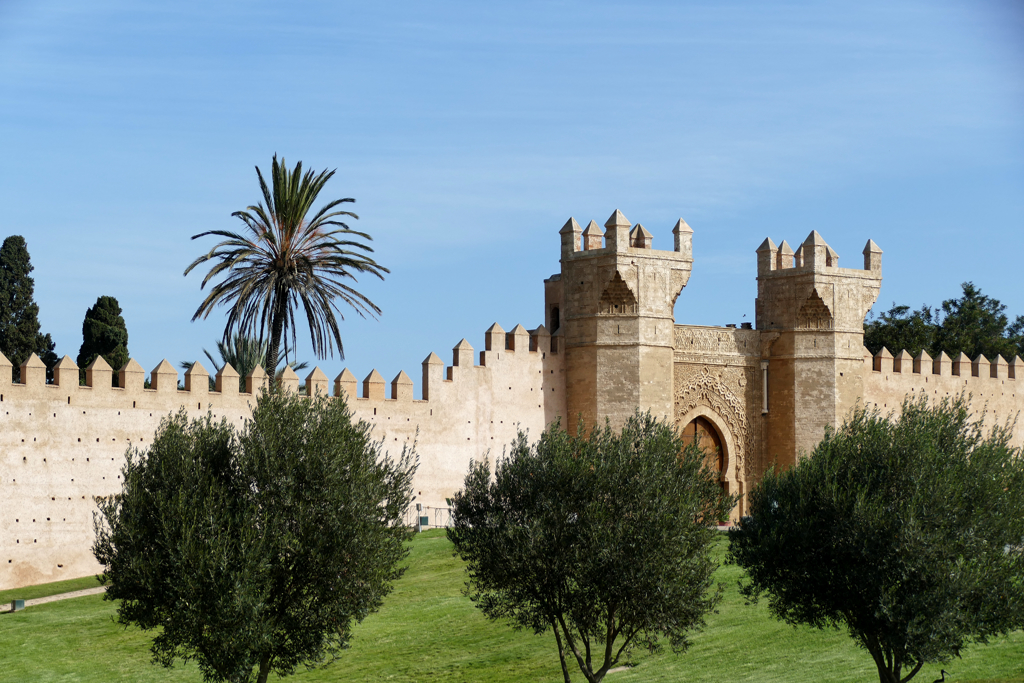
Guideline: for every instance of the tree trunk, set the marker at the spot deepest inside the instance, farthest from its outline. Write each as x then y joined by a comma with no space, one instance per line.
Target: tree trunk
561,652
276,330
264,669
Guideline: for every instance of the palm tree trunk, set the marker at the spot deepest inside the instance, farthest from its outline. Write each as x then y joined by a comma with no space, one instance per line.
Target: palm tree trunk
276,328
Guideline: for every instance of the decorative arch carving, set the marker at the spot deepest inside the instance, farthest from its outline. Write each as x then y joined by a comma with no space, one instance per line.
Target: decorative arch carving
617,298
704,394
814,314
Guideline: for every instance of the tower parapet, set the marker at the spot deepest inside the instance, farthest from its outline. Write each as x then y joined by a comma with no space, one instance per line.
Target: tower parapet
611,311
816,362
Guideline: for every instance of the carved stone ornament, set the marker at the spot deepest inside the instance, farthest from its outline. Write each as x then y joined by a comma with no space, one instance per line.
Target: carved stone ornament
705,389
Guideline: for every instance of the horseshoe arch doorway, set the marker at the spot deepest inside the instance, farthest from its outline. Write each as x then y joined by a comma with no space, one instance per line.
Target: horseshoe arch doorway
711,443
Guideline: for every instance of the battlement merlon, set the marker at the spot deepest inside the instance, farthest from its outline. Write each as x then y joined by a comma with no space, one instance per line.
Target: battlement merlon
807,290
814,255
618,238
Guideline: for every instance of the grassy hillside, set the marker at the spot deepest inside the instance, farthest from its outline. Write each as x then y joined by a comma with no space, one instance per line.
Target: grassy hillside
427,631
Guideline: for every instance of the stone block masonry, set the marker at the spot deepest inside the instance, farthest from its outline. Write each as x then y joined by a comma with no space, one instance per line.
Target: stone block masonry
758,396
61,444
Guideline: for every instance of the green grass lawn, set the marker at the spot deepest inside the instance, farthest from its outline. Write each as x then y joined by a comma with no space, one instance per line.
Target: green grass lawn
427,631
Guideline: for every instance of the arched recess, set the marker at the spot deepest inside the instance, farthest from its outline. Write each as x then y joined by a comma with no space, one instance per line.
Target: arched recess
703,394
728,469
703,431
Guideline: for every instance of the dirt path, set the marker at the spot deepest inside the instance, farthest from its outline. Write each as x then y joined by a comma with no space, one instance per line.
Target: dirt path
61,596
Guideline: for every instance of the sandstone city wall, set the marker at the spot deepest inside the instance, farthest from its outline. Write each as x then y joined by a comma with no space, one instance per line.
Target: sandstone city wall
61,444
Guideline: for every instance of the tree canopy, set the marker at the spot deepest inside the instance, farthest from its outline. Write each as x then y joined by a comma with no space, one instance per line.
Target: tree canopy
603,538
974,323
285,261
907,530
19,314
260,549
105,334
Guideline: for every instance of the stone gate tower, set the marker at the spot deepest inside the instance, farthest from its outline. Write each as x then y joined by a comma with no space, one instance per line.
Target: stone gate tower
810,314
610,312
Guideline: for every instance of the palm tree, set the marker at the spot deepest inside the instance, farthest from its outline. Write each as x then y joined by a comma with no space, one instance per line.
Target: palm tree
284,259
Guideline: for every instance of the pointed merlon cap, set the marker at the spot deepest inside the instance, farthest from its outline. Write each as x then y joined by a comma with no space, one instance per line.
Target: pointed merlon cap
462,354
164,368
639,229
227,370
831,257
570,233
65,373
593,236
33,361
256,380
924,357
33,370
373,386
131,366
617,235
345,384
570,227
196,370
593,229
872,257
617,220
815,240
316,376
494,338
812,251
100,364
784,248
287,374
402,379
433,359
882,360
401,387
682,227
316,382
164,377
518,339
226,380
640,238
766,261
4,363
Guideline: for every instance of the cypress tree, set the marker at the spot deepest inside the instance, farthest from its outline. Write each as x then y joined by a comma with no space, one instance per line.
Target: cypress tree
104,334
19,314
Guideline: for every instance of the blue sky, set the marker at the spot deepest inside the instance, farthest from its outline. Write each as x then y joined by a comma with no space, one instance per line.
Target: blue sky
469,132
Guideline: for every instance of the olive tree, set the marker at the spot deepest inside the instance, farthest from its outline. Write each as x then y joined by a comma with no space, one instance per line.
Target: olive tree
604,538
906,529
256,550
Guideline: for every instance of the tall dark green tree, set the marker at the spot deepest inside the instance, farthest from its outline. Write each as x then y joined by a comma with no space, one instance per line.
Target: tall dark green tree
256,552
907,531
104,334
19,314
972,323
603,538
286,260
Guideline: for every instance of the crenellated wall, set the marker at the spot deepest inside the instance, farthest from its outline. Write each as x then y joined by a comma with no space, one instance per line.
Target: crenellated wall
996,388
61,444
767,395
